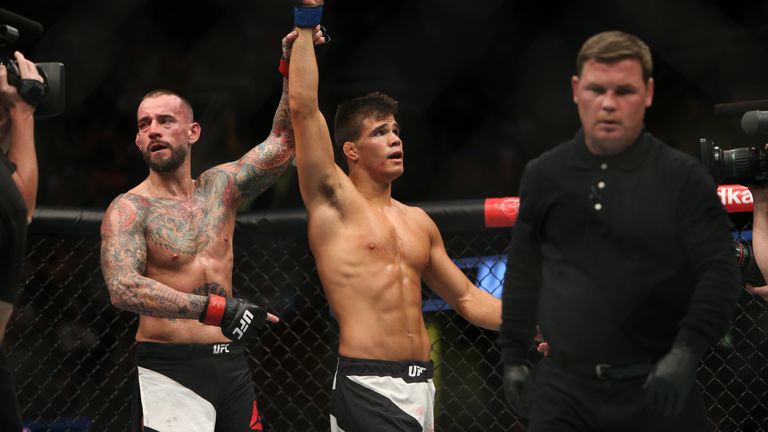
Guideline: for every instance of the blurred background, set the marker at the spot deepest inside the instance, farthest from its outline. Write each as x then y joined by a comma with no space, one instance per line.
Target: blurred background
483,86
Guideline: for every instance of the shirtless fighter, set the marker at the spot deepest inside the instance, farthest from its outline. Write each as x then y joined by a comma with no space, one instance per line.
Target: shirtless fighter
166,255
372,253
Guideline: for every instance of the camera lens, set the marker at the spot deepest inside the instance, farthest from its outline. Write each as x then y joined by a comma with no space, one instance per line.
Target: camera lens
739,163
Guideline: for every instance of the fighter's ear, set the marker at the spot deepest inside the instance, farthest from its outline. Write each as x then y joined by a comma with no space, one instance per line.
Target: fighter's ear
350,150
193,134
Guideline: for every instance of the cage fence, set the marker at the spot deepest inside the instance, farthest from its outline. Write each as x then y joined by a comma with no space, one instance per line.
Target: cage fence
73,353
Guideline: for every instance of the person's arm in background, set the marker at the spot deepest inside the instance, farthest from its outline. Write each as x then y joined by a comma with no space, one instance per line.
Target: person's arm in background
760,236
21,150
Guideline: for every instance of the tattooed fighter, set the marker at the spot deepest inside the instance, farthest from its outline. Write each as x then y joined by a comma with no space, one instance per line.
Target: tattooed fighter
166,254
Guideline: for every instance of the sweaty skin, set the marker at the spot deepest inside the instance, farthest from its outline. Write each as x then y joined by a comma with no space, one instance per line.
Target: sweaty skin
167,242
371,251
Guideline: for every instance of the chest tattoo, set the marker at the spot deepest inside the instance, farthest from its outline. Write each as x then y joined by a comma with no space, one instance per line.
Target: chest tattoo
185,228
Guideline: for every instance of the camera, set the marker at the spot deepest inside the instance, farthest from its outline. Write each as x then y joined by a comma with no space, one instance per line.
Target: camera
745,165
48,96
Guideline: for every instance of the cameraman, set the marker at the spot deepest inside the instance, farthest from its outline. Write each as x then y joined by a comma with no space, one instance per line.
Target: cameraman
18,186
760,235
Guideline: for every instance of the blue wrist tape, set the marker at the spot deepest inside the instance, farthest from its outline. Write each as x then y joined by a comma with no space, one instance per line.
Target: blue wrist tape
307,16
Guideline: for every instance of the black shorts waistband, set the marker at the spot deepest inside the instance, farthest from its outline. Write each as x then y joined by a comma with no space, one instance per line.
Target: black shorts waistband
409,370
181,351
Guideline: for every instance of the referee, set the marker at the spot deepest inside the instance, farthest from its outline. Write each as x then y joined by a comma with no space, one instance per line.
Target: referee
622,253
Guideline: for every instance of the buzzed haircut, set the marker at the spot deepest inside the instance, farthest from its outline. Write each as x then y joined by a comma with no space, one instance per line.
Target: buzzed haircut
348,123
165,92
614,46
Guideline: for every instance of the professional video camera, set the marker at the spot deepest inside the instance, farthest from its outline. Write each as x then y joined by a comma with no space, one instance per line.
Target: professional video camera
744,165
48,97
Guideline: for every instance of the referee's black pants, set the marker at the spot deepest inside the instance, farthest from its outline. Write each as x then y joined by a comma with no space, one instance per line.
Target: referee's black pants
562,400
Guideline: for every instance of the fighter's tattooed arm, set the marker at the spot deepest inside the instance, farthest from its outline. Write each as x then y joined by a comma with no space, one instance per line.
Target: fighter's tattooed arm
124,259
258,169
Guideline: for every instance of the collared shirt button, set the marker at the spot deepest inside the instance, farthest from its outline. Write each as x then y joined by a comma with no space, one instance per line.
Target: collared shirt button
601,185
598,206
603,166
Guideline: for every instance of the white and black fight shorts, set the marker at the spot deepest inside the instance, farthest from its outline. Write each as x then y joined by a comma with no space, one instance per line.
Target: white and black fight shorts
375,395
193,388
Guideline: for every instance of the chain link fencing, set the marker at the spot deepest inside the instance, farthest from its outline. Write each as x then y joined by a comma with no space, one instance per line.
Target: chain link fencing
73,353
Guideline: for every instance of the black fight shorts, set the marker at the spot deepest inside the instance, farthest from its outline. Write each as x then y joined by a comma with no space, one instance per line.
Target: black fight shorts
193,388
383,396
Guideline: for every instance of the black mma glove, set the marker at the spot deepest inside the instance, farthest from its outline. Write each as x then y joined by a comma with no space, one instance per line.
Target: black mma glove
239,320
671,379
514,388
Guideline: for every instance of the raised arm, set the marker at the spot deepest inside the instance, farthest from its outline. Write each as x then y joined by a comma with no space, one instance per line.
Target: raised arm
475,305
319,177
22,132
258,169
123,261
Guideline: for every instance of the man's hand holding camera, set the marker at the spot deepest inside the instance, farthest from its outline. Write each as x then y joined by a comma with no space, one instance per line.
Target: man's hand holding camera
9,94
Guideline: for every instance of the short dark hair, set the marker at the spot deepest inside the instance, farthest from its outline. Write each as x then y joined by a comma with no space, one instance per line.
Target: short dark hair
348,122
613,46
165,92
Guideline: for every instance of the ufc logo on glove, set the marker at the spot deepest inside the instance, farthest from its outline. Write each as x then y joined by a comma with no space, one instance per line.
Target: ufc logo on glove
245,321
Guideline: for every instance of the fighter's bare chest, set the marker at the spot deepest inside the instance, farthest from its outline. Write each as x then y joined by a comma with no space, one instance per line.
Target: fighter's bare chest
393,237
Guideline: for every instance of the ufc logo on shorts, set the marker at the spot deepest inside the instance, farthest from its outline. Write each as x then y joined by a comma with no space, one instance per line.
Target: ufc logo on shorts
245,321
414,371
220,348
